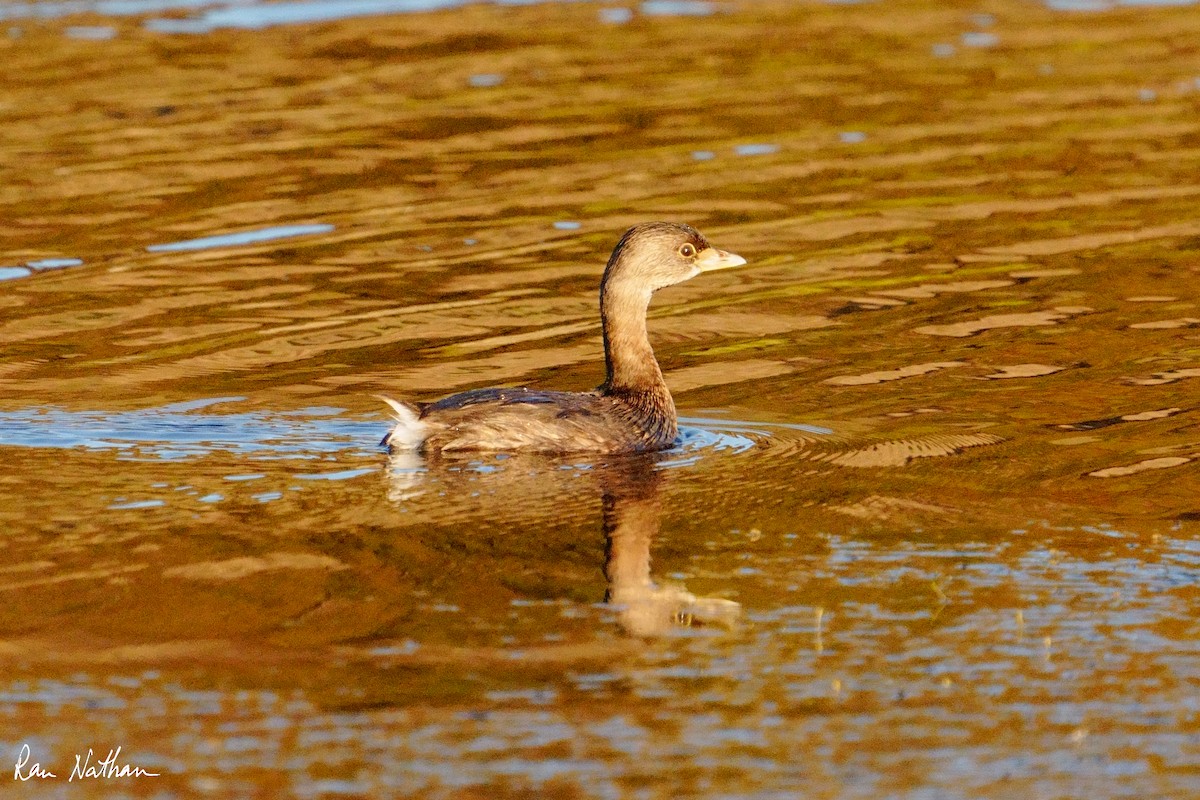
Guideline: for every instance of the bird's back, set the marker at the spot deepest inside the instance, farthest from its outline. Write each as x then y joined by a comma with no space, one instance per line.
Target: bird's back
548,422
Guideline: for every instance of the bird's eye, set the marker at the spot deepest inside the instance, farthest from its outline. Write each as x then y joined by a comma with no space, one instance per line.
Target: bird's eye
687,251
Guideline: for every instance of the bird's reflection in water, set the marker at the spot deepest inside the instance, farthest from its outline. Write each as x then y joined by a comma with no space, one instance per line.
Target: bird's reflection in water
522,490
632,511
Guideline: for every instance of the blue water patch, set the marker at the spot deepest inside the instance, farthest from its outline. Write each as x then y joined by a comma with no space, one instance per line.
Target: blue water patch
484,80
567,225
91,33
186,430
677,8
980,39
756,149
137,504
8,273
39,265
615,16
240,239
258,15
108,8
53,263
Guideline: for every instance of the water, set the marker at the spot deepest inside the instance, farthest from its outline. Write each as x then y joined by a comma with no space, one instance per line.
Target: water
930,529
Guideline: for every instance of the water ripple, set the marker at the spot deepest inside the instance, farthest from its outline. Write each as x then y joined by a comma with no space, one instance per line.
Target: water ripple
179,431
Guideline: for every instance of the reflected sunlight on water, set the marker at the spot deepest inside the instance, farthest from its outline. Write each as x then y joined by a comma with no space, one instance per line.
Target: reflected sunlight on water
931,521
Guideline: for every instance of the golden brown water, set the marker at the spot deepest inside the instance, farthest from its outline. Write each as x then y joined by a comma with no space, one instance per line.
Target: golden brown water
932,529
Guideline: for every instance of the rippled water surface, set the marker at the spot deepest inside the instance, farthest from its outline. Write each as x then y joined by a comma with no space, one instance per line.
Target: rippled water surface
931,528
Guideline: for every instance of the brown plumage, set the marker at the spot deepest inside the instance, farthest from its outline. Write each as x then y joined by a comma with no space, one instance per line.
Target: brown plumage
632,411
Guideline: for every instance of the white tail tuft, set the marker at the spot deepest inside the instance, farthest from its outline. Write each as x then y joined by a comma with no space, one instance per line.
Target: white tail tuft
409,432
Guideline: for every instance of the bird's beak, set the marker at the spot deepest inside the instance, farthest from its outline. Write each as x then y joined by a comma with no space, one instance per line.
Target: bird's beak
710,258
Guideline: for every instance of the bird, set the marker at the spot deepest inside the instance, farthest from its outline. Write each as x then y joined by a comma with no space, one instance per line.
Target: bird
631,412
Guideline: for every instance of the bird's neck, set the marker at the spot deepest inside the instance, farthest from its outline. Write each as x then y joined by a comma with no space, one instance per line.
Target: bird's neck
633,371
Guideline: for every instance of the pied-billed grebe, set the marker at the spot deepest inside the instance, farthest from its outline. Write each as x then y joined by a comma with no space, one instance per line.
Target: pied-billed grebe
631,412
